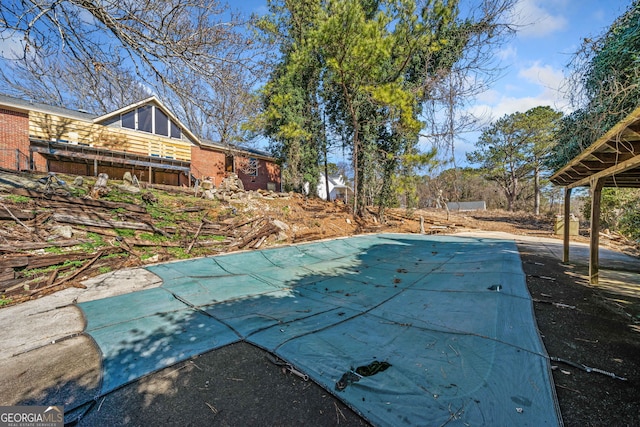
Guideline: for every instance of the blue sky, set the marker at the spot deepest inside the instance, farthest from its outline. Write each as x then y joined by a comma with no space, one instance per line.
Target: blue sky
535,60
549,32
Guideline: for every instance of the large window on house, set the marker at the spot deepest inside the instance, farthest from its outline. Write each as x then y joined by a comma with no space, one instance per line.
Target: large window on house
162,123
145,118
175,131
129,119
152,119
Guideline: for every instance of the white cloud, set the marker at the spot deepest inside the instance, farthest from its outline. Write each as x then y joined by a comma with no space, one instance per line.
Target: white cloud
488,96
508,53
534,20
547,82
543,75
510,105
11,45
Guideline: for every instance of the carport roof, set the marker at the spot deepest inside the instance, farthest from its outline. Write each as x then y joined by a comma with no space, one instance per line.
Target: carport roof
614,157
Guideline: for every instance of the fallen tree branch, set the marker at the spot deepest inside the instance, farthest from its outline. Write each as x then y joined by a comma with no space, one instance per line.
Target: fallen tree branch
266,230
16,219
103,223
17,214
154,228
138,242
79,201
77,272
195,238
262,239
27,246
586,368
236,226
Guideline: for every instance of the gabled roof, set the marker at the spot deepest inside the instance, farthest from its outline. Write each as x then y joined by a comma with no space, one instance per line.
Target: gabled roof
614,157
151,100
26,106
336,181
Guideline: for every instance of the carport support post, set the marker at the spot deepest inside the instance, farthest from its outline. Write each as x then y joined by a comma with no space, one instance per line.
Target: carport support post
566,228
596,193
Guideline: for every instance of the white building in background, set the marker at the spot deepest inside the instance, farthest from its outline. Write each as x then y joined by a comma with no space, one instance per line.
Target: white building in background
467,206
338,190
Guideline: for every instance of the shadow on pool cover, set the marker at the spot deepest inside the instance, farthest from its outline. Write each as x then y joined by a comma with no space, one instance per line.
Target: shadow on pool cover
449,318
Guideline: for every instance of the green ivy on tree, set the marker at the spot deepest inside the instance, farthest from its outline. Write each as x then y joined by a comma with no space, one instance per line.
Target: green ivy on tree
605,86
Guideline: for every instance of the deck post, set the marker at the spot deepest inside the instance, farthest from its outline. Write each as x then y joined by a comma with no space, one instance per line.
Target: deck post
596,185
566,228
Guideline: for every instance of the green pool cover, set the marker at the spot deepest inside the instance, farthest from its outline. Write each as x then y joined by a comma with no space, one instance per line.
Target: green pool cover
405,329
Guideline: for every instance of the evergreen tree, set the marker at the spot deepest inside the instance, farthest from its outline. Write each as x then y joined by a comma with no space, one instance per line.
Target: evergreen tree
368,67
512,150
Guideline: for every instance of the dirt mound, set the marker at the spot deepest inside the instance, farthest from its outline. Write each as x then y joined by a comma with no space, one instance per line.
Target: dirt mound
54,234
59,230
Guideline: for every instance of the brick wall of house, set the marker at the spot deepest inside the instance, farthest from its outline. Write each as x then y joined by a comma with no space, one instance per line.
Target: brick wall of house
210,163
207,163
39,163
267,173
273,172
14,135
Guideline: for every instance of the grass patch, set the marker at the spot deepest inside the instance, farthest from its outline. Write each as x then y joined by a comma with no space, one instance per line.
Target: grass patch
54,250
163,216
97,241
17,199
152,237
216,238
49,269
120,255
120,197
147,254
103,270
78,191
125,232
179,253
5,301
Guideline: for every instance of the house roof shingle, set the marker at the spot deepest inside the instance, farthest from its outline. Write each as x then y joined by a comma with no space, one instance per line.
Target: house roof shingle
24,105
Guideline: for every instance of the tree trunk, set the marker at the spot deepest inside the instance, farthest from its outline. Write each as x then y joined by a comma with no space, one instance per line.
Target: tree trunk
326,172
509,202
511,192
536,189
